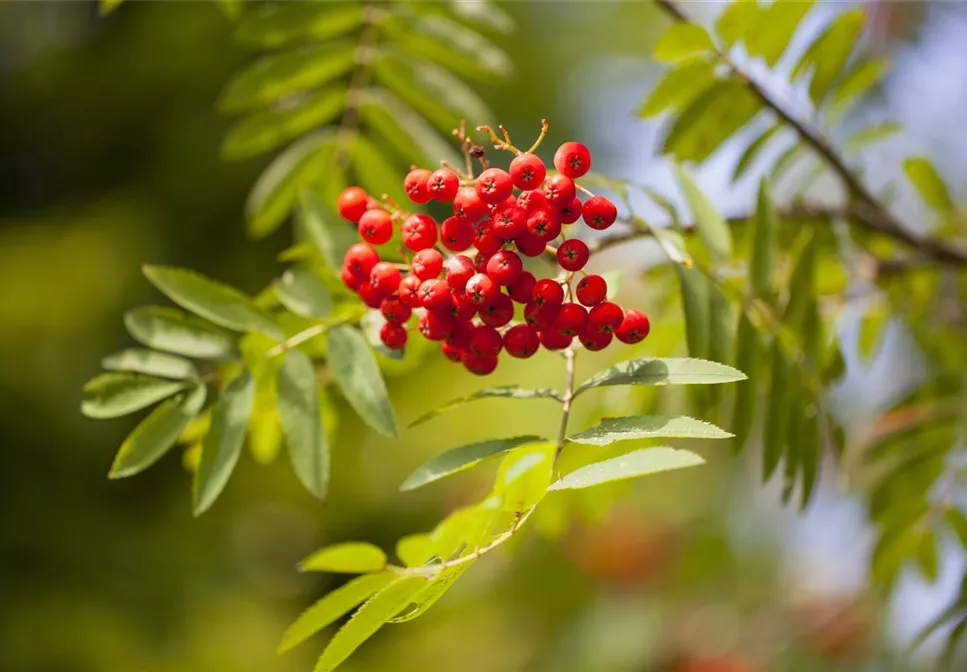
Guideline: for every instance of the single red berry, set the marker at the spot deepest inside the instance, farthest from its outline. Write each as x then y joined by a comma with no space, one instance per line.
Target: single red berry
459,269
522,289
543,225
508,202
595,340
435,294
450,352
456,233
571,319
552,339
352,203
360,259
591,290
415,185
504,267
480,262
419,232
540,317
393,336
634,327
376,226
371,295
521,341
385,278
599,213
394,310
527,171
559,190
510,221
485,341
570,213
530,245
548,293
459,337
498,313
427,264
573,254
482,365
443,185
605,317
467,204
349,279
572,159
533,200
409,291
494,185
485,238
461,307
435,326
482,290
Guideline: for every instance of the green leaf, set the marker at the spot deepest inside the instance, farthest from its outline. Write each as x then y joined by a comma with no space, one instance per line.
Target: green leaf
631,465
354,557
926,556
460,459
777,413
524,476
171,330
351,362
873,327
223,442
786,161
958,523
765,235
334,606
483,13
862,77
277,189
682,40
897,545
217,302
415,550
610,430
827,56
270,26
326,229
679,87
810,456
374,171
721,327
950,649
433,591
401,128
869,135
753,151
673,245
157,433
667,371
105,7
507,392
710,119
278,75
150,363
695,307
737,19
932,189
774,29
711,226
111,395
371,616
232,9
298,403
264,131
302,292
749,353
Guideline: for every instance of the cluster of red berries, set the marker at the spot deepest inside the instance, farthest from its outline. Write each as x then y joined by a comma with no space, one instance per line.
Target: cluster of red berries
467,303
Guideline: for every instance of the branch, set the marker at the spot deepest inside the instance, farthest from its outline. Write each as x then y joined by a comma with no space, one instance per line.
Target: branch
358,81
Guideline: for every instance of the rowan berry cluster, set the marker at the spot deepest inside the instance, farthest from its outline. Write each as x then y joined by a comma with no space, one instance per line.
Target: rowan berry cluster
463,276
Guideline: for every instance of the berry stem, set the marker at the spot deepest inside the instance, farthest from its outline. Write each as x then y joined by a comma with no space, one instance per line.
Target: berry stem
498,143
540,138
566,399
583,190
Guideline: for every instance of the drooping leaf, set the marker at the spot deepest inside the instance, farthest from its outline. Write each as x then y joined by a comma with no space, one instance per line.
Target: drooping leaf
374,171
736,20
695,307
810,457
772,33
926,557
434,590
171,330
223,442
506,392
460,459
663,371
524,476
274,25
217,302
157,433
351,362
483,13
721,329
710,119
931,188
777,413
749,353
631,465
302,292
330,233
679,87
711,226
753,151
868,135
150,363
111,395
682,40
354,557
862,77
298,405
334,606
827,56
762,262
610,430
401,128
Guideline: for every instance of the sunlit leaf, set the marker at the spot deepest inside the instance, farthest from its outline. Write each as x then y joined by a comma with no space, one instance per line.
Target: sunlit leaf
105,7
753,151
433,591
171,330
273,25
828,54
926,557
958,523
711,226
772,33
351,362
354,557
737,19
524,476
302,292
150,363
298,405
483,13
507,392
679,87
111,395
709,120
632,465
869,135
682,40
667,371
873,327
928,183
232,9
610,430
862,77
673,245
460,459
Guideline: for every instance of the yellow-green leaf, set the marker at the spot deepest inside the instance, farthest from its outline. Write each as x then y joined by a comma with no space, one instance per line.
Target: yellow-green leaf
150,363
928,183
868,135
711,119
460,459
753,151
610,430
773,31
111,395
736,20
632,465
679,87
682,40
711,226
827,56
171,330
354,557
663,371
273,25
524,475
505,392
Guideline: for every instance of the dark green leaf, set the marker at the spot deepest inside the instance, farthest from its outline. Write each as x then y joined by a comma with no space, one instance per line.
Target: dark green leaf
777,413
374,171
150,363
869,135
926,556
958,523
354,557
351,362
401,128
762,262
749,353
711,226
695,307
111,395
774,29
682,40
460,459
105,7
326,229
752,152
721,326
827,56
932,189
667,371
709,120
298,402
507,392
679,87
302,292
273,25
610,430
736,20
632,465
171,330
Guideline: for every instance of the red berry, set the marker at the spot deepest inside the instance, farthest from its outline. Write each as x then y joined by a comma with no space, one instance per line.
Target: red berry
572,159
427,264
360,259
599,213
461,307
485,340
548,293
459,338
573,254
527,171
435,326
605,317
552,339
482,290
510,221
543,225
415,185
385,278
571,319
419,232
530,245
443,185
435,294
634,327
482,365
591,290
459,269
494,185
504,267
508,202
456,233
540,317
376,226
452,353
570,213
485,238
522,289
394,310
595,340
521,341
349,279
480,262
370,295
559,190
467,204
409,291
393,336
498,313
352,203
532,200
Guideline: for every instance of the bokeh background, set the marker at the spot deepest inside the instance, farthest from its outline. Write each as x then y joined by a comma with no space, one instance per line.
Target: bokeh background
109,158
